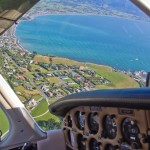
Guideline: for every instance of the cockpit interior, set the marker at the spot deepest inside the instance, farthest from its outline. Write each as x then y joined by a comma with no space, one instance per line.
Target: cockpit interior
108,119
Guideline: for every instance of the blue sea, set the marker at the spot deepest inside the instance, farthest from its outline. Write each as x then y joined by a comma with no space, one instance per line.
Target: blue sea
121,43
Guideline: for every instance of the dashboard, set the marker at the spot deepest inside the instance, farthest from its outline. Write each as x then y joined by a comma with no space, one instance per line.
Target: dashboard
106,128
117,119
114,119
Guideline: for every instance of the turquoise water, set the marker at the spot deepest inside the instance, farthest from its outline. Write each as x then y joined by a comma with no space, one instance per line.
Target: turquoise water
118,42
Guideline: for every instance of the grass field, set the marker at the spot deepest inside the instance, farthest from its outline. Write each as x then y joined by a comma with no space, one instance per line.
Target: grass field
46,117
68,80
36,97
53,80
57,60
99,67
4,124
24,92
42,108
117,79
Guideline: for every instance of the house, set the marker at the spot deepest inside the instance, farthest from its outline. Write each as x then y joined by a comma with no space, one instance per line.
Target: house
32,103
21,77
22,53
35,63
10,73
105,81
81,68
85,84
50,94
31,61
54,66
28,88
45,89
48,74
38,76
78,77
64,77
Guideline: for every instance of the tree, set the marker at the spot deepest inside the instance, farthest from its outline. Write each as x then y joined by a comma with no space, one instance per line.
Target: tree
51,60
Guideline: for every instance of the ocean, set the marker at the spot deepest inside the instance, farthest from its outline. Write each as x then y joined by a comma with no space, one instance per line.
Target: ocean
121,43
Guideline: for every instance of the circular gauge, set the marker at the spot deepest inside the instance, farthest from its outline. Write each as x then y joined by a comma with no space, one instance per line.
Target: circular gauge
71,138
94,145
130,131
80,120
109,126
69,121
93,123
110,147
81,142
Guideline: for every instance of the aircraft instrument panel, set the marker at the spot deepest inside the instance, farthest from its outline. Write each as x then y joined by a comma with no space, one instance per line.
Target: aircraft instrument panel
106,128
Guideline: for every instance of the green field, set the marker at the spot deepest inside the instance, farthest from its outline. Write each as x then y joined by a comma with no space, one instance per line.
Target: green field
57,60
4,124
117,79
40,109
20,90
53,80
44,120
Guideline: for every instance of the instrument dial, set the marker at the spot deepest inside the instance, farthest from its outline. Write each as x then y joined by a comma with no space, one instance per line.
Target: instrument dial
93,123
130,131
81,142
94,145
109,126
80,119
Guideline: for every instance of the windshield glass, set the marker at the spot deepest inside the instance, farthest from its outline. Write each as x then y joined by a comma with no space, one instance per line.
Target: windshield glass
62,47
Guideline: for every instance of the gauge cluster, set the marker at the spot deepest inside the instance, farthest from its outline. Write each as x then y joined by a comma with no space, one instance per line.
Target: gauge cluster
106,128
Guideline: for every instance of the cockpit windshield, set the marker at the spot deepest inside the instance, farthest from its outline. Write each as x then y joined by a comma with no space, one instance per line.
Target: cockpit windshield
63,47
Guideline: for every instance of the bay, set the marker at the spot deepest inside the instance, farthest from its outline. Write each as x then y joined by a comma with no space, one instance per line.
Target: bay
121,43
